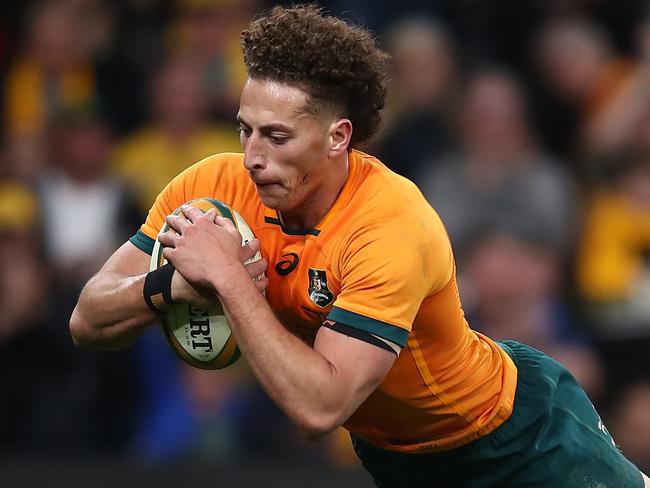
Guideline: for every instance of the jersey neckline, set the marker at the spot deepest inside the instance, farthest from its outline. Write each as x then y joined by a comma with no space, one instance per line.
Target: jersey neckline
271,216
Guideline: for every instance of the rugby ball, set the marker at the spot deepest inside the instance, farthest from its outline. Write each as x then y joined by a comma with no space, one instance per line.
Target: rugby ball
202,337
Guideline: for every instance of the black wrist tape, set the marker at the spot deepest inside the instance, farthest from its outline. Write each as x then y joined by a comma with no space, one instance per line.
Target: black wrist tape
157,289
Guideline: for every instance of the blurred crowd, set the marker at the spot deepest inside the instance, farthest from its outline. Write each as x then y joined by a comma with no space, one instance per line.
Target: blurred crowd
526,124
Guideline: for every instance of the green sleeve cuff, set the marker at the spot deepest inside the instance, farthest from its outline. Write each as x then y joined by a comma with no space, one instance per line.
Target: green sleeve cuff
143,242
381,329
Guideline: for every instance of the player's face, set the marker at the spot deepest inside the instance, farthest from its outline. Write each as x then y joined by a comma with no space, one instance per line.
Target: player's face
286,149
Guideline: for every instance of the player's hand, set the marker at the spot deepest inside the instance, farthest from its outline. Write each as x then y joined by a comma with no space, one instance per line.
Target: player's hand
200,245
256,268
184,292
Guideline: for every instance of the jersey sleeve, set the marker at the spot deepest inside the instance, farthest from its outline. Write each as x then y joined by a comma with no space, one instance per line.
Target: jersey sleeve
387,270
166,202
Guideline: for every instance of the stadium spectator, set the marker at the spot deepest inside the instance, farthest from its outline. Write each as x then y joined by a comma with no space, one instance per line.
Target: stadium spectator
420,98
21,289
53,399
500,179
84,214
26,156
24,287
184,412
52,74
207,31
78,183
623,123
613,271
127,62
178,134
526,302
603,92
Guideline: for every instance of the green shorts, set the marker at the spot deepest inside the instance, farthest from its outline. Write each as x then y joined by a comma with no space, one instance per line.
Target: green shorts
554,438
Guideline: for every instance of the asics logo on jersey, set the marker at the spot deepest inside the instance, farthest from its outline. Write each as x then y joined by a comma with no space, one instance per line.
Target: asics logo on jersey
286,266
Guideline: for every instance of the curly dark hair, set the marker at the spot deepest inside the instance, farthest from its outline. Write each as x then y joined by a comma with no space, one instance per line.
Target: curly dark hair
338,65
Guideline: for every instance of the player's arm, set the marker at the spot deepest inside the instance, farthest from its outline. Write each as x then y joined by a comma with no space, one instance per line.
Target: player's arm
111,312
318,388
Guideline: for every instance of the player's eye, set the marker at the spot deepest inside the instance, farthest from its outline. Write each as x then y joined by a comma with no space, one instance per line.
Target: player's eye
244,130
278,138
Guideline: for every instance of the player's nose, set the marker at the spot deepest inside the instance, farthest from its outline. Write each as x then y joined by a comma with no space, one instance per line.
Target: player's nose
254,158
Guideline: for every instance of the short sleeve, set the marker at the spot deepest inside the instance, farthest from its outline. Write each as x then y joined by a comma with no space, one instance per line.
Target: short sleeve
387,270
166,202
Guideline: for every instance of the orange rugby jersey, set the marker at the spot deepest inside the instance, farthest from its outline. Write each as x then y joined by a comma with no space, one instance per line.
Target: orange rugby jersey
379,261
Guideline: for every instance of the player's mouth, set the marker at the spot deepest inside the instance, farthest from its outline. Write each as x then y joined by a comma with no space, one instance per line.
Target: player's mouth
265,185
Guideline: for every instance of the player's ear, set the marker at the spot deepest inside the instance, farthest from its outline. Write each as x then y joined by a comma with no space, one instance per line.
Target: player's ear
340,134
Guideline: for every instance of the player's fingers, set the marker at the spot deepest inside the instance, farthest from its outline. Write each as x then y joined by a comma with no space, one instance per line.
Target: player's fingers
211,214
250,249
256,268
191,213
168,239
225,223
178,222
254,245
262,284
168,253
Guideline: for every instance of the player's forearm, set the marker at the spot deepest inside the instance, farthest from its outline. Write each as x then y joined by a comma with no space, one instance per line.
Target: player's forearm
111,312
298,378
